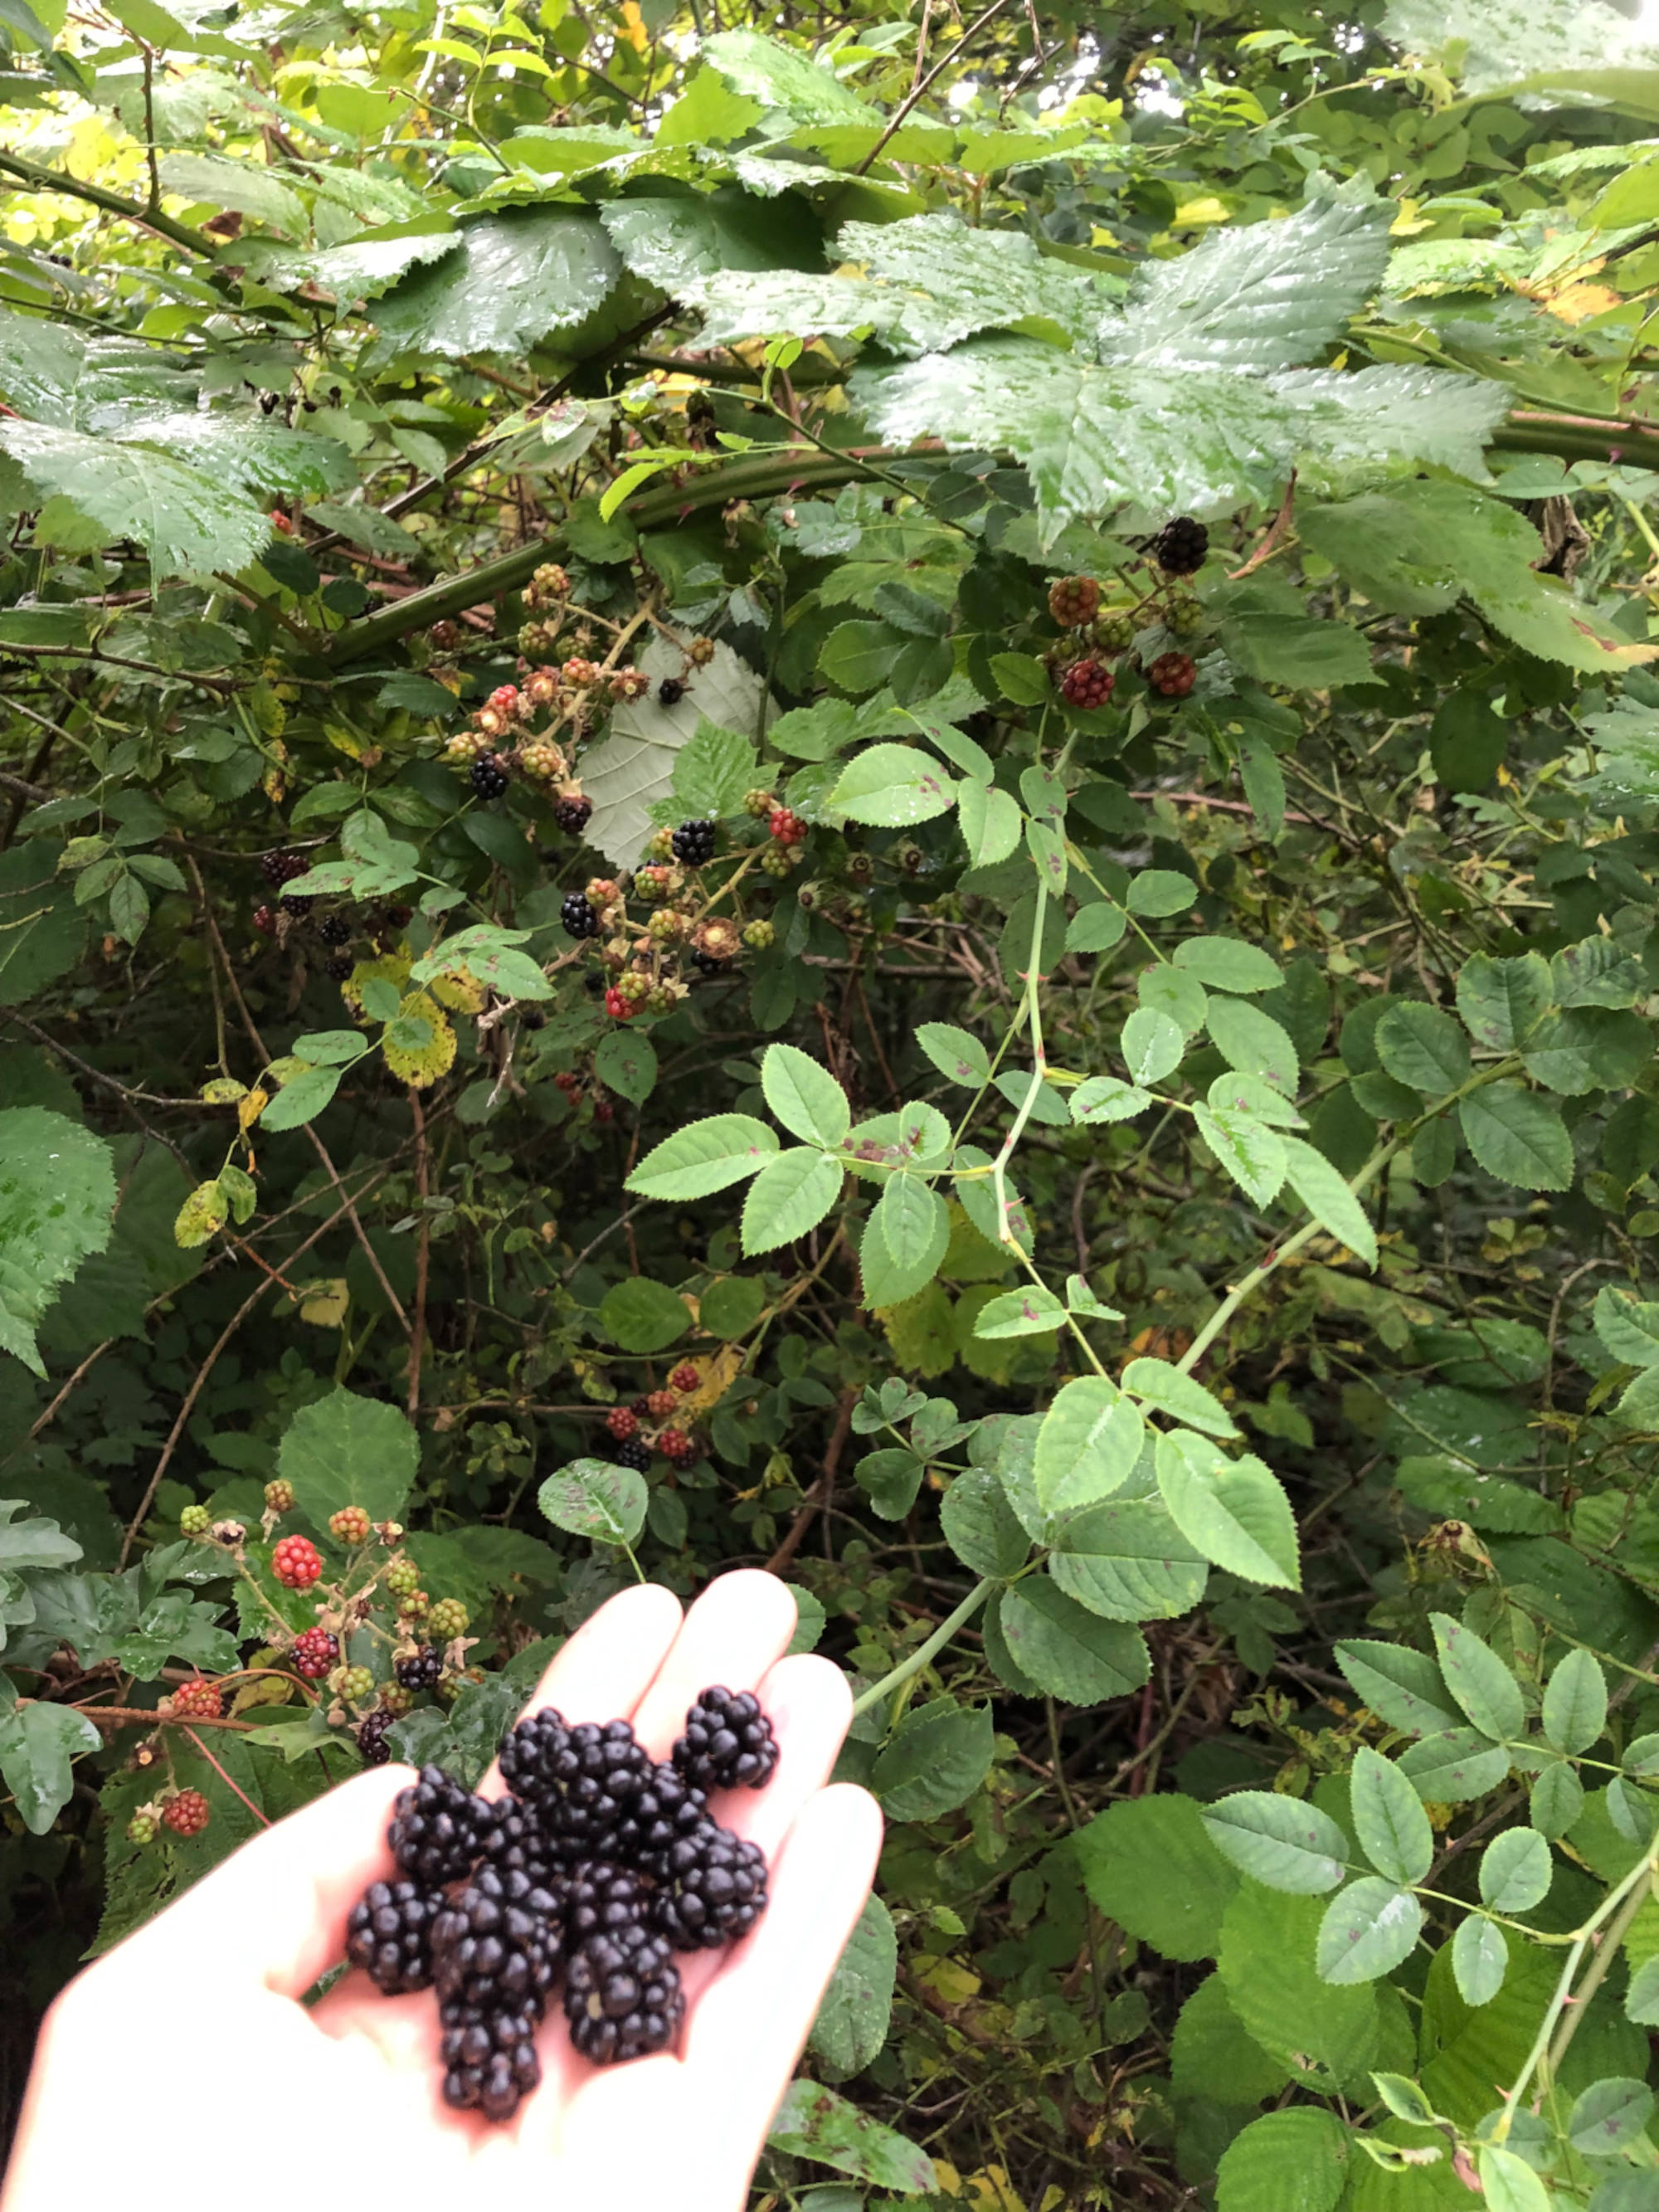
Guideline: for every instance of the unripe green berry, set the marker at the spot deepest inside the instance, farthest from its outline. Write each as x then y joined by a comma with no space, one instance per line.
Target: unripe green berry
758,803
141,1828
194,1521
448,1620
395,1699
402,1576
1185,617
759,935
776,860
354,1685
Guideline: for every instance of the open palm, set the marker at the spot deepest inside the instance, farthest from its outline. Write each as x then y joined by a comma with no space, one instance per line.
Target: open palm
204,2000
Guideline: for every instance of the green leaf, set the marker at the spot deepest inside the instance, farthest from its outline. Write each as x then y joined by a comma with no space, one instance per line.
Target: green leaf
1224,963
1232,1510
57,1197
959,1057
1556,1799
1022,677
937,1757
1367,1931
905,1242
1281,1841
1518,1136
805,1097
1295,2161
1454,1766
1069,1652
1251,1154
186,519
1516,1871
347,1450
893,787
1252,1042
592,1499
1424,1048
1152,1045
1642,1997
519,275
1482,1684
981,1526
1019,1313
1150,1864
1406,2100
1126,1560
1576,1702
37,1743
790,1195
1628,1327
713,770
851,2026
990,821
42,931
1107,1099
626,1062
641,1316
1481,1958
703,1158
1610,2115
1502,1000
1325,1193
302,1099
248,186
1167,1390
1389,1820
1508,2182
1401,1687
815,2123
1088,1445
1096,927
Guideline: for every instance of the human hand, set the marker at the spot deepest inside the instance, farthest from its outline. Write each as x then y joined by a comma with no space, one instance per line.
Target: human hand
164,2039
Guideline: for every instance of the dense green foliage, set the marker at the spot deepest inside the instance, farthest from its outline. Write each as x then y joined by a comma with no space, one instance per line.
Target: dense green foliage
1131,1175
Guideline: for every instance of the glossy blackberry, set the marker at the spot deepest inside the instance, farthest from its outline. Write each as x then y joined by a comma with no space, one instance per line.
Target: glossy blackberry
421,1670
621,1996
728,1742
706,964
488,777
671,690
292,902
582,1781
496,1946
694,843
600,1898
338,969
439,1830
371,1738
573,814
519,1843
633,1453
389,1935
667,1810
334,929
576,917
488,2058
1181,546
280,868
713,1889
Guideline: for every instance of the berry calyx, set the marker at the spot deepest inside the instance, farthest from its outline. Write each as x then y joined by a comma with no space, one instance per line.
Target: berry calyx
1087,683
622,1422
684,1379
296,1562
1181,547
1073,600
350,1525
186,1812
448,1620
194,1521
200,1700
788,828
315,1653
279,1497
630,683
1173,674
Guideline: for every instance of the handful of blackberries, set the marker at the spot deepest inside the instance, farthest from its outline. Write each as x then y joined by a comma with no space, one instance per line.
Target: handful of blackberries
599,1865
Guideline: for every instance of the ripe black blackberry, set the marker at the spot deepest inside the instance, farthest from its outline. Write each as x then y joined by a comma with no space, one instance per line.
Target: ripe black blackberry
668,1808
671,690
693,844
422,1670
496,1946
576,916
574,814
280,868
371,1737
334,929
713,1889
338,969
706,964
389,1935
293,903
1180,548
439,1830
728,1742
600,1897
488,777
488,2058
622,1994
580,1781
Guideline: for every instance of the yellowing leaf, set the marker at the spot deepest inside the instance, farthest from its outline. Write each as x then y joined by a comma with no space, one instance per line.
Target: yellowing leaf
392,968
717,1373
249,1108
203,1214
420,1058
459,989
325,1302
223,1090
1577,303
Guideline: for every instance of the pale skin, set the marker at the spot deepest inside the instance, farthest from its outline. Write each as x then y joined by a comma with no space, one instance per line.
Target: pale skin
163,2039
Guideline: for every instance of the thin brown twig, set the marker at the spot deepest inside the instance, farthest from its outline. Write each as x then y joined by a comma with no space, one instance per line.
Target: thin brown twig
1277,528
822,1491
260,1817
918,91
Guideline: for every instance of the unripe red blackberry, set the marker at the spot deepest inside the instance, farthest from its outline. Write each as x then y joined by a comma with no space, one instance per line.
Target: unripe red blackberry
194,1521
1173,674
673,1443
296,1562
200,1700
601,892
265,920
787,827
350,1525
448,1620
684,1379
579,674
279,1497
623,1423
186,1812
1073,600
1087,683
315,1653
401,1576
661,1402
619,1008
